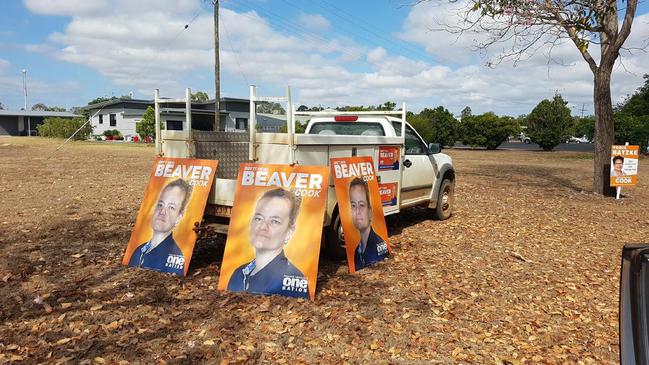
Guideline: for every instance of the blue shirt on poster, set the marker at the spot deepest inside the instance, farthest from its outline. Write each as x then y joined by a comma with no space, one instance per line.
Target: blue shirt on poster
165,257
375,250
280,276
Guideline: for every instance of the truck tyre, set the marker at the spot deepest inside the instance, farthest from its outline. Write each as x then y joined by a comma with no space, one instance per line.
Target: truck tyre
335,239
445,200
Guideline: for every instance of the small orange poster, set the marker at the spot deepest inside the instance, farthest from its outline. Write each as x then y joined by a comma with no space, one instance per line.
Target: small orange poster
274,236
389,158
361,211
163,238
388,192
624,165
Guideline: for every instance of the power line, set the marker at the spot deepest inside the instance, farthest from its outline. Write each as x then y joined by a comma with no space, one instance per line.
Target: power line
369,28
290,26
236,54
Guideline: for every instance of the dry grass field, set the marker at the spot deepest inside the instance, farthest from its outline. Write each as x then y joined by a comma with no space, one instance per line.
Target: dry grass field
525,272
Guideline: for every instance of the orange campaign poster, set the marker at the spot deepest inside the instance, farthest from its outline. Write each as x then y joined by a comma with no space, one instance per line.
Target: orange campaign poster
274,236
163,238
389,158
361,211
388,192
624,165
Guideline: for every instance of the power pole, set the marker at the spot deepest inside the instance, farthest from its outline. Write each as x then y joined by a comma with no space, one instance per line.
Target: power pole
217,66
583,106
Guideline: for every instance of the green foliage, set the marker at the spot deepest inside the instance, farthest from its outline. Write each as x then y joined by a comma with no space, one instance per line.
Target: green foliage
266,107
113,134
421,125
199,96
387,106
444,126
299,128
64,128
2,106
43,107
584,127
101,99
466,112
638,103
487,130
549,123
632,129
146,126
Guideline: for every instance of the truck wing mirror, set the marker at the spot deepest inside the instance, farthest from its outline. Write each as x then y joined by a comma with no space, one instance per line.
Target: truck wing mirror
434,148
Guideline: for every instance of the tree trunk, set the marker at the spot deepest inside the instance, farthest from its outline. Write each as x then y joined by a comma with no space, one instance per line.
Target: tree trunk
604,132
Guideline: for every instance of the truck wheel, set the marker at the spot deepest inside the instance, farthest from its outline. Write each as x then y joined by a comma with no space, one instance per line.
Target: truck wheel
445,200
335,239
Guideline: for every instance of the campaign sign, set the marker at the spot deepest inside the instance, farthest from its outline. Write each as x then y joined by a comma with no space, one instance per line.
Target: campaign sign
624,165
361,211
388,192
275,229
163,238
389,158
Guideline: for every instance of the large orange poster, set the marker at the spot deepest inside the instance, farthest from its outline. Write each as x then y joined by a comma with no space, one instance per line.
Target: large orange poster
361,211
274,236
624,165
163,238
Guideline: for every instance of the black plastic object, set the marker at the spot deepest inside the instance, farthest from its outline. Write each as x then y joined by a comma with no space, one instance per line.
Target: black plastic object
634,305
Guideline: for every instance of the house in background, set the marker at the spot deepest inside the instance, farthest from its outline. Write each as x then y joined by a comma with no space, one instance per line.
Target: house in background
124,114
24,122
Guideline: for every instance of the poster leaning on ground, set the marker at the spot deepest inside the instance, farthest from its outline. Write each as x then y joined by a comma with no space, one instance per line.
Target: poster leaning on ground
163,238
275,229
360,206
624,165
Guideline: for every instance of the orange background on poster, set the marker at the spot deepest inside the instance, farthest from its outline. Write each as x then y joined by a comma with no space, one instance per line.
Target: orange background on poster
352,236
303,250
183,234
388,157
388,192
628,152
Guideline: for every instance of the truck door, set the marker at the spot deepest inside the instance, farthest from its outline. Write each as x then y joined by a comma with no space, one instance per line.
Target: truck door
634,305
418,170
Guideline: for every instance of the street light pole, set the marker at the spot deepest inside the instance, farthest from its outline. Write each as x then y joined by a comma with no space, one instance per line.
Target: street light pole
25,87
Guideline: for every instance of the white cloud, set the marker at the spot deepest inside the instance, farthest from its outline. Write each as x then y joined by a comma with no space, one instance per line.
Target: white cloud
143,45
38,90
65,7
376,55
314,21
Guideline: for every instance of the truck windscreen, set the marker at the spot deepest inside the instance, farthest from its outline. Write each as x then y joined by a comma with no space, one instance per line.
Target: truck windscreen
347,128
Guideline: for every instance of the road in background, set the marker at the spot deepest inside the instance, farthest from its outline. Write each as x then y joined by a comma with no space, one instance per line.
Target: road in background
570,147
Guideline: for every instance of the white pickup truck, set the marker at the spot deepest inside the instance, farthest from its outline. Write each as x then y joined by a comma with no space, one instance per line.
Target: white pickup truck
423,176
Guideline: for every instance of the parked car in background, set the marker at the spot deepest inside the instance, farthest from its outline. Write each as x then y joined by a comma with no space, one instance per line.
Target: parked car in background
520,137
582,139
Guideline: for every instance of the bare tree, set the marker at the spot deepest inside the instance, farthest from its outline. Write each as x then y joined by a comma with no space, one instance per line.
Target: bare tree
527,25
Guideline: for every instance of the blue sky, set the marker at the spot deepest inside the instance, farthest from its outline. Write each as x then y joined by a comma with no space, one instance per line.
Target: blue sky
331,52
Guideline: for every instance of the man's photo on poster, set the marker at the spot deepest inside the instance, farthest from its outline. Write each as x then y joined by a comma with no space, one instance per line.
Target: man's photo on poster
371,247
161,252
271,227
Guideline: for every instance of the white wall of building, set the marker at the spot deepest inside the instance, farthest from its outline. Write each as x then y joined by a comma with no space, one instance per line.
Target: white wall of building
125,120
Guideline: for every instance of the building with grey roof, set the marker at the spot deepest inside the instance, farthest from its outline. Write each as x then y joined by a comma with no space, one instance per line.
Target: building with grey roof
124,114
24,122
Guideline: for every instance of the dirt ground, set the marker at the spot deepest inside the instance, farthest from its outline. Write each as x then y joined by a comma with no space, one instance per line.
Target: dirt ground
526,271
